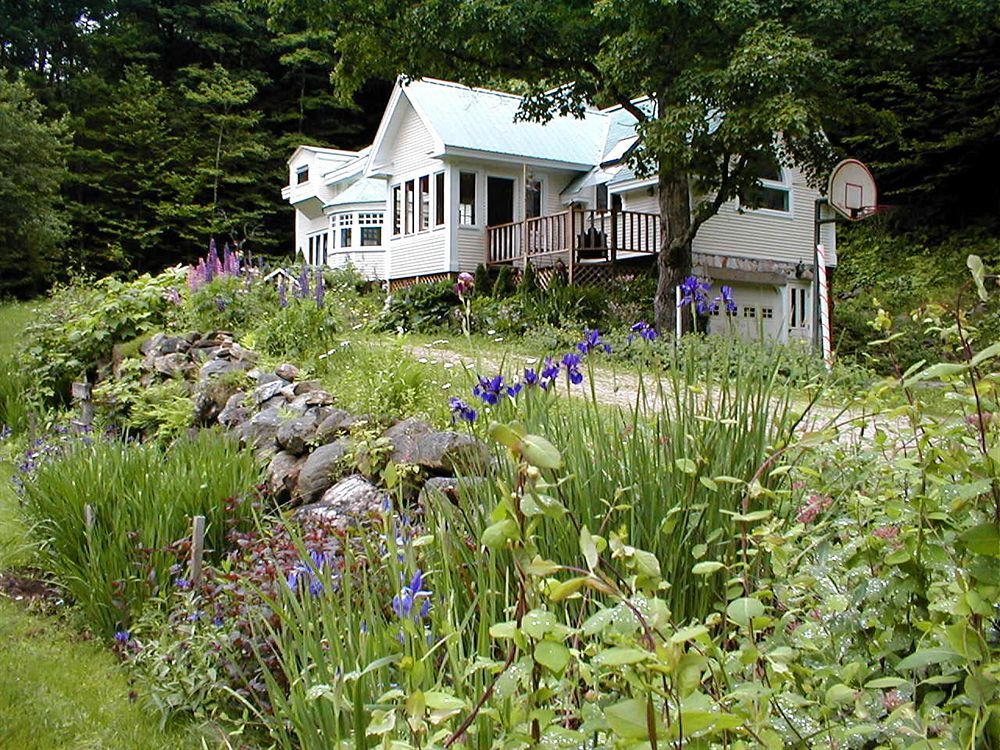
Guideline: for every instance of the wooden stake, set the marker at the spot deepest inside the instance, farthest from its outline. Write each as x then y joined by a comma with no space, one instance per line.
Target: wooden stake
197,548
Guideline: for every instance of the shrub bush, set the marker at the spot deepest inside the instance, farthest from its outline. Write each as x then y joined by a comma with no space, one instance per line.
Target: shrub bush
421,307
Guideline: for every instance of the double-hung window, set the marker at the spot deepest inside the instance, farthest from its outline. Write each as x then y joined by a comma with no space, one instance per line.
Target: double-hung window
467,198
301,175
397,210
371,229
424,203
772,191
346,223
439,197
408,207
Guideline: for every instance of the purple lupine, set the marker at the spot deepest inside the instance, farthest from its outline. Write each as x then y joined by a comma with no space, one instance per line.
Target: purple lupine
461,410
404,603
282,292
571,362
591,341
320,289
489,389
642,330
303,287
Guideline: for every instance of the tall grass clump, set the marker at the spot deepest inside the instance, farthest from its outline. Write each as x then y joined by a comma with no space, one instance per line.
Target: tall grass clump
143,498
15,380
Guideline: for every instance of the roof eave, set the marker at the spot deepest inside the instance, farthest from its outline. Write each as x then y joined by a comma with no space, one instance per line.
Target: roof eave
471,153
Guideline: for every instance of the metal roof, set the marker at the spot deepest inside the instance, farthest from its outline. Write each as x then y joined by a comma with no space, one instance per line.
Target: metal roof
483,120
365,190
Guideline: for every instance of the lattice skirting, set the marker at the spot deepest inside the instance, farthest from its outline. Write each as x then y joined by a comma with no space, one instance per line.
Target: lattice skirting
396,284
588,275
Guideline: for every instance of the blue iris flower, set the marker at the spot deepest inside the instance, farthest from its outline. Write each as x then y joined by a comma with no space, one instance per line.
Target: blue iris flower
489,389
642,330
413,600
461,410
572,364
591,341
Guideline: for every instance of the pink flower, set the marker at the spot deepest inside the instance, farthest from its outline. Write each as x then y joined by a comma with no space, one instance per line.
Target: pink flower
890,531
815,505
465,285
891,700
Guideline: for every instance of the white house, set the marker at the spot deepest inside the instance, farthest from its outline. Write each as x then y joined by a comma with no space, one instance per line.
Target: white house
452,181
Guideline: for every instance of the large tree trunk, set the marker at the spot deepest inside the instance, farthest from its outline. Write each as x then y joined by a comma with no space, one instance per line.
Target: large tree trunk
674,257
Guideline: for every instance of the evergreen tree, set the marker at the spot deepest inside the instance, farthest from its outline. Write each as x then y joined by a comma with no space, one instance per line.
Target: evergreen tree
32,167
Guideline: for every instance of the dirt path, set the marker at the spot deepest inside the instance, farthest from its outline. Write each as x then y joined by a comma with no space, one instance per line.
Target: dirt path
622,389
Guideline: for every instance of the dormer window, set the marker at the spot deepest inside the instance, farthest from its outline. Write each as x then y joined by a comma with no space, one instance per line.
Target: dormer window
301,175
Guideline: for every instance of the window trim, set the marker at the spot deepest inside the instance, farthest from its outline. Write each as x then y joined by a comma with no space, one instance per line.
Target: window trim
423,200
302,175
397,204
784,185
440,194
475,200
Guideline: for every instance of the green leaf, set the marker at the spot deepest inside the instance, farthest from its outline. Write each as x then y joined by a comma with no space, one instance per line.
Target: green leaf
743,610
939,370
537,623
539,452
925,657
619,656
707,568
975,266
505,435
542,568
983,539
566,589
503,629
553,656
588,547
443,701
496,536
382,722
688,634
627,719
883,683
753,517
839,695
989,352
686,465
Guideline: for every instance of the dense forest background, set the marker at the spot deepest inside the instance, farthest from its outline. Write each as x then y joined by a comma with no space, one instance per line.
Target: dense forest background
131,131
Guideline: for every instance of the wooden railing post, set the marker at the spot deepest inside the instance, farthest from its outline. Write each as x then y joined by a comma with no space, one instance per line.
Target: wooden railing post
614,236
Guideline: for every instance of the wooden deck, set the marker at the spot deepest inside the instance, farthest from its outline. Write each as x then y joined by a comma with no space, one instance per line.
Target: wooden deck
574,237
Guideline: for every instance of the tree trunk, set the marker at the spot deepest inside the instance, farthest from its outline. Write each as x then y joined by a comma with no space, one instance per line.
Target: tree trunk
674,259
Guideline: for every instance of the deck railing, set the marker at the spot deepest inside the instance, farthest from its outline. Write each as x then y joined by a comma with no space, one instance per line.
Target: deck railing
580,235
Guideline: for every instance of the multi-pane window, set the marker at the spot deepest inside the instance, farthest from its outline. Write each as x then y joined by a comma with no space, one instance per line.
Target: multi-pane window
345,221
439,199
467,198
767,312
309,256
424,203
301,175
371,229
397,209
408,207
771,192
749,311
326,247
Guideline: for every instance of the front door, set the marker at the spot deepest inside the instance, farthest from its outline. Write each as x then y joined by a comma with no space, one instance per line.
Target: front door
499,200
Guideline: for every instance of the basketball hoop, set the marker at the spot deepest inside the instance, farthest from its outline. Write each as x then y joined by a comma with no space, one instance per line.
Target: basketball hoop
851,191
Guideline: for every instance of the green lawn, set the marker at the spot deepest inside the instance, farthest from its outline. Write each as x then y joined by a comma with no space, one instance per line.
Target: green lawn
58,692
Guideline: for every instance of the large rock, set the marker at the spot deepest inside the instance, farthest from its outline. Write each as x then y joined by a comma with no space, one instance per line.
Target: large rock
336,423
268,390
295,434
234,413
347,504
416,442
172,365
448,488
287,372
261,429
283,474
211,397
215,368
321,469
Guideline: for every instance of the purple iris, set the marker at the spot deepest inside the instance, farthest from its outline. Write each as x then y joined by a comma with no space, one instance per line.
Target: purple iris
461,410
531,378
122,636
182,583
591,341
489,389
727,299
513,390
404,604
572,364
695,292
550,371
642,330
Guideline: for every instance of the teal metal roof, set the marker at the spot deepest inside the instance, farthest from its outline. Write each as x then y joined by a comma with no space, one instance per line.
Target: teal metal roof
365,190
481,120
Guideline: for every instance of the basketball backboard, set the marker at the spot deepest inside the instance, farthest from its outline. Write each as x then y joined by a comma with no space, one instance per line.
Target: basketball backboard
852,191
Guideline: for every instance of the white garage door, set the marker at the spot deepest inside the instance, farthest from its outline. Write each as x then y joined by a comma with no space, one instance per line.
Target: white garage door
759,313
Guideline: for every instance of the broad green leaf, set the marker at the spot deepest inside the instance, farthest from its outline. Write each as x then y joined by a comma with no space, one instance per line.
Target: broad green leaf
753,517
939,370
925,657
627,719
965,641
588,547
619,656
883,683
686,465
551,655
496,536
503,629
505,435
688,634
707,568
537,623
983,539
839,695
382,722
542,568
743,610
975,266
989,352
565,589
709,484
539,452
